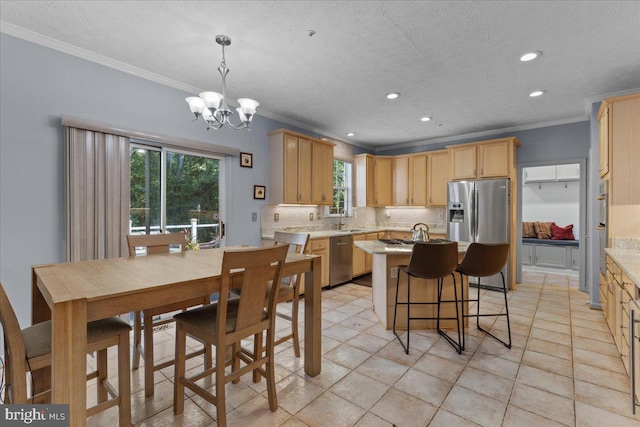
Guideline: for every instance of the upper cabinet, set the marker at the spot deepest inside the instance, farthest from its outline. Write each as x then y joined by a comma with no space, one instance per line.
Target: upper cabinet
619,145
383,167
292,168
322,186
418,179
401,181
603,140
484,159
437,177
553,173
373,180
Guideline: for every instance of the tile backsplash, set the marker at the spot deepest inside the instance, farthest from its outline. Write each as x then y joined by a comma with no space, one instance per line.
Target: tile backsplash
311,218
620,243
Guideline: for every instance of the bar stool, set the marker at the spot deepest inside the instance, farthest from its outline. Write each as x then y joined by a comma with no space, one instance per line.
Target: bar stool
484,260
430,261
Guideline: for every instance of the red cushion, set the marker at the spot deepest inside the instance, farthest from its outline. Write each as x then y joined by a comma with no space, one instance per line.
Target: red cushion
562,233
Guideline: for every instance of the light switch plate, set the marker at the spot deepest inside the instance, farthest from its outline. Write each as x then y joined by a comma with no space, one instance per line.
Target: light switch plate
311,216
394,272
276,216
254,216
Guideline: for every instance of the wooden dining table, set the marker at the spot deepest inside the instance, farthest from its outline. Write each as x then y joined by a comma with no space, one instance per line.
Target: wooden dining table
72,294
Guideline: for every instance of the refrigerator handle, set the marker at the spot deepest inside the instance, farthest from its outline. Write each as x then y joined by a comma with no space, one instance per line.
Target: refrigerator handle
474,214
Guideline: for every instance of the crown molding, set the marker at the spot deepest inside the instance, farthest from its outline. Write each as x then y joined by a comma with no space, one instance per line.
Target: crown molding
492,132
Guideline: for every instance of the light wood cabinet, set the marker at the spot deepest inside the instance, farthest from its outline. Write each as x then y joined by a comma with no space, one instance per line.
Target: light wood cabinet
358,263
368,258
485,159
322,182
291,168
603,140
418,180
363,180
437,178
321,247
383,190
401,180
621,133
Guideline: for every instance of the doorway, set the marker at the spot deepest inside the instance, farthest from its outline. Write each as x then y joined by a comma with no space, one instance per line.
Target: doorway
553,193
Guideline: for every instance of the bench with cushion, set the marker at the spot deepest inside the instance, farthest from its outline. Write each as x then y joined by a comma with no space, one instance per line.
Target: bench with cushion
544,244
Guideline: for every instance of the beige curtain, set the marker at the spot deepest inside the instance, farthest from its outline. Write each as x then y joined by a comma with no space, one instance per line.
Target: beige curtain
97,194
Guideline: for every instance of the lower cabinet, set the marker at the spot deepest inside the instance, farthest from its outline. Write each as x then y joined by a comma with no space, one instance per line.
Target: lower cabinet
319,247
358,266
619,296
553,256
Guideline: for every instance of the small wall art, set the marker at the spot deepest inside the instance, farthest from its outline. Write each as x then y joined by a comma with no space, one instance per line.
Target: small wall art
259,192
246,160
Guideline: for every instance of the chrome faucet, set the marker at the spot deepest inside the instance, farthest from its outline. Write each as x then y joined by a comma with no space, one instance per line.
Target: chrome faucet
340,223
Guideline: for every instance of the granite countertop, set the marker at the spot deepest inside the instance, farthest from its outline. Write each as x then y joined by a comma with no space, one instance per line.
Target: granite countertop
628,260
331,233
374,247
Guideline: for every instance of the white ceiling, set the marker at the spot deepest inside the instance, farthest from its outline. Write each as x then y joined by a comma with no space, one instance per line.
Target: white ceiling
455,61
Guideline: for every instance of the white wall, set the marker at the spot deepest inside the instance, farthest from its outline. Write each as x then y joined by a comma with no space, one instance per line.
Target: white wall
552,202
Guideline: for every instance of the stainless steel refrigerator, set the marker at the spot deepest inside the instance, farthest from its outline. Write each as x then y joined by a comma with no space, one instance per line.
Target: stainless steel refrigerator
478,211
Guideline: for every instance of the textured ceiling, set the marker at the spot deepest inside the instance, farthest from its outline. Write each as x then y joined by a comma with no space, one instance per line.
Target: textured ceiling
457,62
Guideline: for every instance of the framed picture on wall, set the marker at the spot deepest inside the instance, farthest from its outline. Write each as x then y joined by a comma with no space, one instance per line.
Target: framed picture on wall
259,191
246,160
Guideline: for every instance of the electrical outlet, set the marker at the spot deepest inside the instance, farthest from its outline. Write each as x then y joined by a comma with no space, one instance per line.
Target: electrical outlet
440,215
394,272
276,216
311,216
254,216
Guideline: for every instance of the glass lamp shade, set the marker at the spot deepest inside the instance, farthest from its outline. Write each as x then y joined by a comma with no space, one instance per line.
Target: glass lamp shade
206,115
248,106
242,116
196,104
211,99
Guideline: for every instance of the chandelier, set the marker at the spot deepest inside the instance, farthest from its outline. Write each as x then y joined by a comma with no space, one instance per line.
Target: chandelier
211,107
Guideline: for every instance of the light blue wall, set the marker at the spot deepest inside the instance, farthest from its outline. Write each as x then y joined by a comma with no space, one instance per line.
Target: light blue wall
39,84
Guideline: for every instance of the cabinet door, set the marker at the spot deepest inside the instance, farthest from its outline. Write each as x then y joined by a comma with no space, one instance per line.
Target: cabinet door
551,256
493,159
527,251
437,178
540,174
383,170
322,193
368,258
462,162
305,154
418,180
400,181
358,267
291,194
603,143
568,172
321,247
575,258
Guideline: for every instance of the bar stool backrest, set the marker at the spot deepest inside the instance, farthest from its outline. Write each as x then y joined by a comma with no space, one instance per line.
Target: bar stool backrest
484,259
433,260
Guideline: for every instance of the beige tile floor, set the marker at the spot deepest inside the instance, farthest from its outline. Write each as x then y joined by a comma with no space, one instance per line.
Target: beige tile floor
563,369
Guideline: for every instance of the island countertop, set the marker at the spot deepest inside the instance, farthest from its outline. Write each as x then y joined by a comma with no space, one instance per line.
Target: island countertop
376,248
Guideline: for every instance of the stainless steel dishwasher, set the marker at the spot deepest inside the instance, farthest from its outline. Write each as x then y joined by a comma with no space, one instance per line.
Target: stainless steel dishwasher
341,259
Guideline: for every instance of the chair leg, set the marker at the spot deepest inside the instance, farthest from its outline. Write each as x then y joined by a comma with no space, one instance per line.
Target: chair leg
294,322
124,380
506,308
270,371
137,340
221,407
236,347
148,353
179,369
478,307
103,374
457,346
463,316
257,353
395,311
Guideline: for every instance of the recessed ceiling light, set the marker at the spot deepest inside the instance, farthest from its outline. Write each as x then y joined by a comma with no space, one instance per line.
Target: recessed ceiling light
530,56
351,134
393,95
537,93
425,119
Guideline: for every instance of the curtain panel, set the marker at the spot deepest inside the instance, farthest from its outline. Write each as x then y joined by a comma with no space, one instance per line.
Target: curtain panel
97,194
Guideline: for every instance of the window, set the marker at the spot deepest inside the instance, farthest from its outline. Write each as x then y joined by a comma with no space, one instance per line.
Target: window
176,191
341,189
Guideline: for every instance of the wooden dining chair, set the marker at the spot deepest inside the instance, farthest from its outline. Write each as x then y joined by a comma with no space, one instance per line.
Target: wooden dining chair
289,289
157,244
29,350
228,321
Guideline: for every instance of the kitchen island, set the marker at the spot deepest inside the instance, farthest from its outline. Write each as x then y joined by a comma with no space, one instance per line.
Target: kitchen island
386,260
